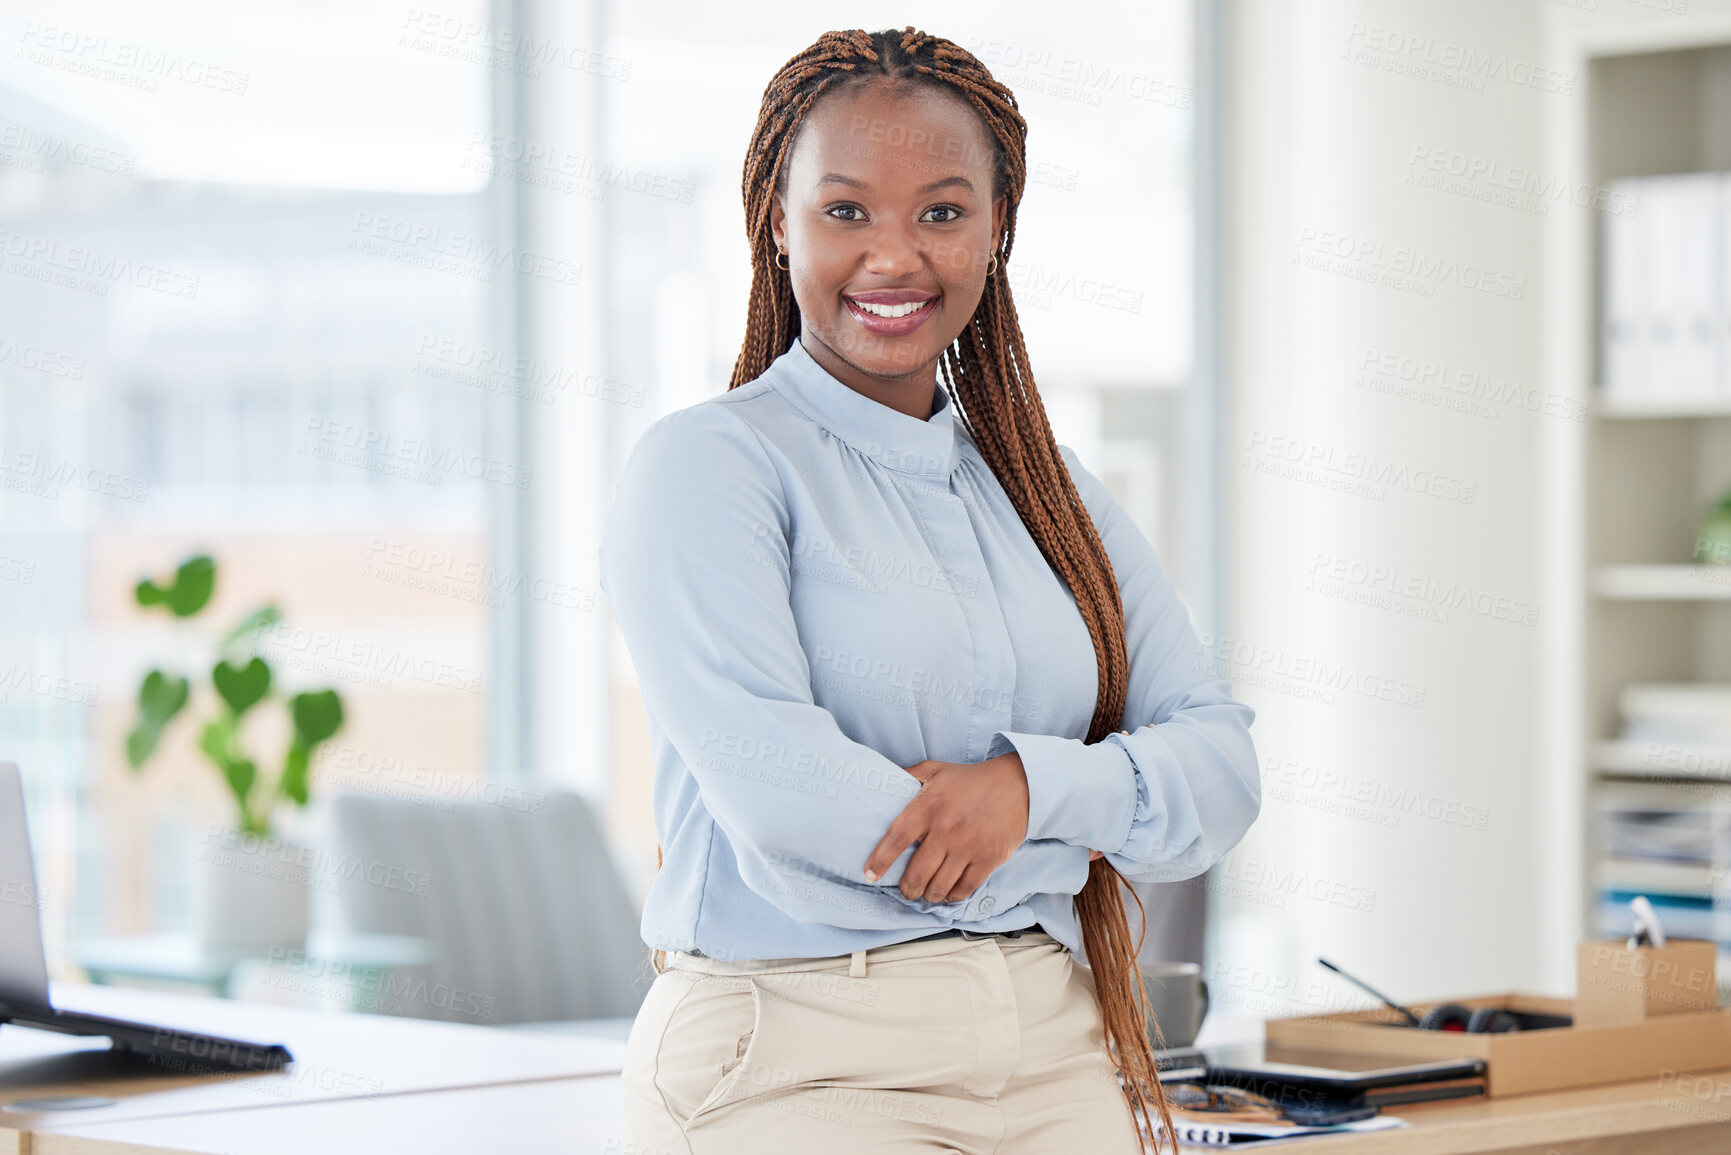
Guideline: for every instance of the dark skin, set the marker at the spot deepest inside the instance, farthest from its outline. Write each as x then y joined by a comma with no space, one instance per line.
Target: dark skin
916,215
892,188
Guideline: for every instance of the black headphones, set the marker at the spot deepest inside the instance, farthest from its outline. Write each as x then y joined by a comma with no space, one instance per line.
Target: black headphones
1454,1017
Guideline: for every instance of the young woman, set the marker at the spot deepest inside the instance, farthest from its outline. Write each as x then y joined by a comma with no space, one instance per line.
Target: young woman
921,696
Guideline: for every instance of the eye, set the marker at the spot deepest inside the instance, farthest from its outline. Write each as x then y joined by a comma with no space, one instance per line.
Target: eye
846,208
955,213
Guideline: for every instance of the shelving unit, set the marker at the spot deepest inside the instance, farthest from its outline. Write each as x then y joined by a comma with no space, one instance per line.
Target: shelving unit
1625,490
1612,406
1663,583
1634,759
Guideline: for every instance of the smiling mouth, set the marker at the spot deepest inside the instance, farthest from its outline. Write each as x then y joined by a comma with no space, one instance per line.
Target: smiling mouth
891,312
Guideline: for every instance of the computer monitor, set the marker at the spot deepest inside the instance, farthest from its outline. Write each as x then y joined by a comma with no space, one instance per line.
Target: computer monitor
23,965
24,998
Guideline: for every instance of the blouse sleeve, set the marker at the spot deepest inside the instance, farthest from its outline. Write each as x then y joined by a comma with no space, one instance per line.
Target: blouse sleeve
712,635
1172,794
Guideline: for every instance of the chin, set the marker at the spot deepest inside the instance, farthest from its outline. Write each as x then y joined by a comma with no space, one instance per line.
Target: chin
883,360
901,366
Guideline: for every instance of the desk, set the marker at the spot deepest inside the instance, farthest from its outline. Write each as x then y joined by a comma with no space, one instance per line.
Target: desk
581,1117
579,1114
338,1058
563,1116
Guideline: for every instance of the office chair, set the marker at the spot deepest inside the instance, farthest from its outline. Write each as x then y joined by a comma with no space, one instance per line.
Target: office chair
526,915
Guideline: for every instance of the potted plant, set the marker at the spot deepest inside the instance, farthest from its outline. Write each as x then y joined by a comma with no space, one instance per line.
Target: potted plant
1713,544
254,885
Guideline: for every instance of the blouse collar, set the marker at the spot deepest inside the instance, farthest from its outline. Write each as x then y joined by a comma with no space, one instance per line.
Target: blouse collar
888,436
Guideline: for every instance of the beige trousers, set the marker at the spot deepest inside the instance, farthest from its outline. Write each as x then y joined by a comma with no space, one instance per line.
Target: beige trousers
988,1046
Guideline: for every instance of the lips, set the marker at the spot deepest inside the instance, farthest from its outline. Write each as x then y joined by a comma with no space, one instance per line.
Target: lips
891,312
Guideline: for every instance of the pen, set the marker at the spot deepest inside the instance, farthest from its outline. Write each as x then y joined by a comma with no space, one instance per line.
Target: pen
1364,986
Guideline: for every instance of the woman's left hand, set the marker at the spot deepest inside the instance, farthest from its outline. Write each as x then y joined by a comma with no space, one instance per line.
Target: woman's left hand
968,818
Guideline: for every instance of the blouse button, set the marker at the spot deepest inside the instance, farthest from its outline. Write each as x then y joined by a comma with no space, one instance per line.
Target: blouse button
986,904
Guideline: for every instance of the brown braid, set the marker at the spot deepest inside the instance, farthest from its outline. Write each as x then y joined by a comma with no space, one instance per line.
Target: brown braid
986,374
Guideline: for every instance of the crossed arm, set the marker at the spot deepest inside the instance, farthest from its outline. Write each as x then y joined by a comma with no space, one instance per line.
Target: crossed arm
968,819
1162,802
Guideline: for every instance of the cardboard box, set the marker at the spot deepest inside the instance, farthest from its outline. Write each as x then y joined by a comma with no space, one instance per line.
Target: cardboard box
1617,985
1521,1062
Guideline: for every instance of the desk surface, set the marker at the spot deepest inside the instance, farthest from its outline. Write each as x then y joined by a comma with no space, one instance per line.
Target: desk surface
443,1088
338,1057
1650,1117
564,1116
582,1116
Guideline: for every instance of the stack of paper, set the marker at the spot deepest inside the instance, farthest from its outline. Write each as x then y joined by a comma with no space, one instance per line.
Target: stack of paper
1198,1130
1665,320
1671,843
1692,714
1663,822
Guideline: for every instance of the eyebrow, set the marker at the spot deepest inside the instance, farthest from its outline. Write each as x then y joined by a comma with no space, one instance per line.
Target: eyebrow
838,178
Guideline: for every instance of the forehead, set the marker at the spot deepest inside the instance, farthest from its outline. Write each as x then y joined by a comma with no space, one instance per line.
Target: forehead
884,135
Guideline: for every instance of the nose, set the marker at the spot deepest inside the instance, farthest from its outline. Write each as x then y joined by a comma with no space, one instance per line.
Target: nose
893,250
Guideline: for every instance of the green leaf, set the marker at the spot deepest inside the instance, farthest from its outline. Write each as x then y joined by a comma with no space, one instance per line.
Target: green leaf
141,744
241,774
317,715
293,783
214,741
241,686
194,582
160,698
217,741
260,619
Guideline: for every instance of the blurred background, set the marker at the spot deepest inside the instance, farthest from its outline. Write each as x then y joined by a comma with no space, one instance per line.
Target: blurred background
1403,330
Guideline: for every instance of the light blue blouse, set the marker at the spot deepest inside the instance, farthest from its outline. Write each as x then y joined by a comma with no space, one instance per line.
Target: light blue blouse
818,590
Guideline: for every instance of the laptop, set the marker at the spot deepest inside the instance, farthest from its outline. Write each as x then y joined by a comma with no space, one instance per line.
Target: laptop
24,970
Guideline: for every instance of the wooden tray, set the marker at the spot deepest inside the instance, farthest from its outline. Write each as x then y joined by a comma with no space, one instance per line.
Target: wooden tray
1521,1062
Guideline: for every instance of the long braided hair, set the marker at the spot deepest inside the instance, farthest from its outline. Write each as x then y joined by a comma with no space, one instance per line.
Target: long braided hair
986,373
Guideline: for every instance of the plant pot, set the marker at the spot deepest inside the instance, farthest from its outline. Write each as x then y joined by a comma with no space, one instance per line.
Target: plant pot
253,892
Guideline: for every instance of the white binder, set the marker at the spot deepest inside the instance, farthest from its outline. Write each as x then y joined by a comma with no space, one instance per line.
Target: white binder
1684,325
1665,286
1623,292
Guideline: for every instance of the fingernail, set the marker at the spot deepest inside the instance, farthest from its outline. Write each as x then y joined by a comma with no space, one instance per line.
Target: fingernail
871,875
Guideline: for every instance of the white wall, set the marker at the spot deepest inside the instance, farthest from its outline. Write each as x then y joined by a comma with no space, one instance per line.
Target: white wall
1330,106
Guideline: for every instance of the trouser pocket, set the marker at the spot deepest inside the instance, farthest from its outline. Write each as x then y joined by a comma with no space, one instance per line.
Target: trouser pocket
704,1043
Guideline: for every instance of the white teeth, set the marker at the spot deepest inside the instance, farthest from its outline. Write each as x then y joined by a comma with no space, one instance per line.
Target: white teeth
892,310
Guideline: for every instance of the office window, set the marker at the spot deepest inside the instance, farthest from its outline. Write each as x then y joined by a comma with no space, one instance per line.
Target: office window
229,236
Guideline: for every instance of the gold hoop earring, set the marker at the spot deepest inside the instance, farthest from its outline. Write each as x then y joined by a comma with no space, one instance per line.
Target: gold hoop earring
780,253
993,267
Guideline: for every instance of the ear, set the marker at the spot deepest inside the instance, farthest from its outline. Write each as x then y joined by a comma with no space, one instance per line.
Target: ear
1000,207
778,221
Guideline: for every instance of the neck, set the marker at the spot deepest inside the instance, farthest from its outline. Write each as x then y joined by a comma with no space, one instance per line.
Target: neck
911,393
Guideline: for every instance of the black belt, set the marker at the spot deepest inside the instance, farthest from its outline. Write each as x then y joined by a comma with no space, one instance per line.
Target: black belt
954,932
951,933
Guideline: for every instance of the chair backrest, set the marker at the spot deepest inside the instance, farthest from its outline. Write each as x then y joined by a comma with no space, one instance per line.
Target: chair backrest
525,912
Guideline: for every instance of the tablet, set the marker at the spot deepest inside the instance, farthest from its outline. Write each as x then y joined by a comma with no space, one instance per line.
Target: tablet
1333,1073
